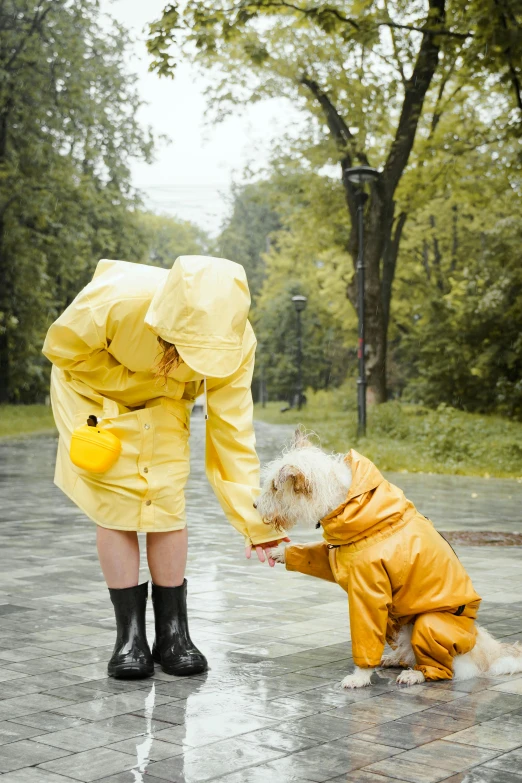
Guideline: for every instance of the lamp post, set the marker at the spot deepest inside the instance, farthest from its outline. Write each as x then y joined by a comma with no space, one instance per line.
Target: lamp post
360,176
299,304
262,396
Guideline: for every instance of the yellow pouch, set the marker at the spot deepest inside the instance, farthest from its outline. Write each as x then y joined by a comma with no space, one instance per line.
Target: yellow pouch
94,449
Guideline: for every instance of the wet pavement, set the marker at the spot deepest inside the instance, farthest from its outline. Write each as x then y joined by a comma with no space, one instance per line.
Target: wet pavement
270,708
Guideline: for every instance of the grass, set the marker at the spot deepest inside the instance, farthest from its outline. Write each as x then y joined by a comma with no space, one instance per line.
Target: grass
400,436
410,438
18,420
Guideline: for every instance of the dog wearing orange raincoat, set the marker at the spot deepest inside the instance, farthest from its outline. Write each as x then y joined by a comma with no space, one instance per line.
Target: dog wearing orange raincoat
405,584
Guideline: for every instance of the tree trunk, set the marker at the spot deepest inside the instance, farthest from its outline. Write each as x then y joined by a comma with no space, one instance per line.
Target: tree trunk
382,233
377,237
4,294
4,342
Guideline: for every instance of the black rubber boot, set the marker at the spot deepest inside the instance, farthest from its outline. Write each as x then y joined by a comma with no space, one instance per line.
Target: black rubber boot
131,657
173,647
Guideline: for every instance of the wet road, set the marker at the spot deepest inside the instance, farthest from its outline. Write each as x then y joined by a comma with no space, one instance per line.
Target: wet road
278,644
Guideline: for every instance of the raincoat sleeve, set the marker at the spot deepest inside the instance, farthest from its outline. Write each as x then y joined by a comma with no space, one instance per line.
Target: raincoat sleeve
77,343
310,559
232,464
370,596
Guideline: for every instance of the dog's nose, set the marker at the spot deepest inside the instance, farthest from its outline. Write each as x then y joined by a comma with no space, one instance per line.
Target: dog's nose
255,505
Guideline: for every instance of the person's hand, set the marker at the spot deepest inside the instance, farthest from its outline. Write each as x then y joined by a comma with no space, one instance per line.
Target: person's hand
263,551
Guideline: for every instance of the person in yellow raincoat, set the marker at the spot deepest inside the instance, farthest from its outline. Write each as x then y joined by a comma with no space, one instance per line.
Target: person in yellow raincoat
134,349
396,569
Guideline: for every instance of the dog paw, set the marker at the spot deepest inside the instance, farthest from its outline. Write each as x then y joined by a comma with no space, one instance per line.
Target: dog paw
389,661
278,554
410,677
359,679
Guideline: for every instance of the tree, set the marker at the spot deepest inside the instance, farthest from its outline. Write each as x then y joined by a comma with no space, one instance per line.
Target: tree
459,340
67,132
168,237
305,257
373,84
246,235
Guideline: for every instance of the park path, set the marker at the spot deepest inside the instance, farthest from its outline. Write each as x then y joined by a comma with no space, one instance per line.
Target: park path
278,643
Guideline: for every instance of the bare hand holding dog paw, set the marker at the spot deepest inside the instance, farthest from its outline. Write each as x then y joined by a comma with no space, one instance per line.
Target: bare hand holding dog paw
260,550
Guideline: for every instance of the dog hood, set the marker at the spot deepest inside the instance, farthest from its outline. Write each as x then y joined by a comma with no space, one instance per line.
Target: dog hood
371,505
202,308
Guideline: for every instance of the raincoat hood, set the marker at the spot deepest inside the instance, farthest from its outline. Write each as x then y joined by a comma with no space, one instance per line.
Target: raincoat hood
372,503
202,308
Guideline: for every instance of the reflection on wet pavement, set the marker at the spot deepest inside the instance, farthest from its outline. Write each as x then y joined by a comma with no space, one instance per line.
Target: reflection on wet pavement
270,708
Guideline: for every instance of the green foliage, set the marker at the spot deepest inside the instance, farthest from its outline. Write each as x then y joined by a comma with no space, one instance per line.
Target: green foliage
246,235
303,259
457,309
324,358
421,90
413,438
68,130
166,238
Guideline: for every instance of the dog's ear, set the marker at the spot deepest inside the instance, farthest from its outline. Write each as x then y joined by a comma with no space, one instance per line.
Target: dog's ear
301,440
299,481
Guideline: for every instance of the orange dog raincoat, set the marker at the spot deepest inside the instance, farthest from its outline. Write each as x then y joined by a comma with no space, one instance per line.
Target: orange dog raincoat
396,569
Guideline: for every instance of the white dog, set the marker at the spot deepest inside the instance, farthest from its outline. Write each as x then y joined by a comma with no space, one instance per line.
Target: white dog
307,486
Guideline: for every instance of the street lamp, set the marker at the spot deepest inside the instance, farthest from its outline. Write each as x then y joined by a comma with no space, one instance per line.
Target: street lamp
299,304
361,175
262,395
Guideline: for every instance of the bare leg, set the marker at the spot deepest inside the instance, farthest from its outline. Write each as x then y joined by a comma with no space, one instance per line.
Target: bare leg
167,557
119,555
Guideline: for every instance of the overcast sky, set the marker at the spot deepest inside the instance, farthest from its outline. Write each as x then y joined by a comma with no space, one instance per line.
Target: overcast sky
191,177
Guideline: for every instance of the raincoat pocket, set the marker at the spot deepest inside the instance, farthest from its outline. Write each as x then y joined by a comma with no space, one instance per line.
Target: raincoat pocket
121,429
93,448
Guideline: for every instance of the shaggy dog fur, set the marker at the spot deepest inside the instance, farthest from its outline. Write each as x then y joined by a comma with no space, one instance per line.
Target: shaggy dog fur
303,486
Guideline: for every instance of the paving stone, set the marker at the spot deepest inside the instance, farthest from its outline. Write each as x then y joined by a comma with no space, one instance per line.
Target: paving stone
261,774
130,777
511,686
104,732
497,736
451,756
26,753
25,705
91,764
400,734
483,775
364,776
206,730
509,762
11,732
49,721
331,759
217,760
326,727
33,775
382,709
404,769
148,748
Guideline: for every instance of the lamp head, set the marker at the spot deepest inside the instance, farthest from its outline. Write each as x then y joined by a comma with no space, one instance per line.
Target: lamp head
360,175
299,302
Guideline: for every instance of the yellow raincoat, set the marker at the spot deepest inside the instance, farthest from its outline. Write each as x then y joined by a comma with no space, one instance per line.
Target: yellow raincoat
104,349
396,569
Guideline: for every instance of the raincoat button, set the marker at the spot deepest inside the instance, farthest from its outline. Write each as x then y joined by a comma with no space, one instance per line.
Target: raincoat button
146,426
148,502
145,470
